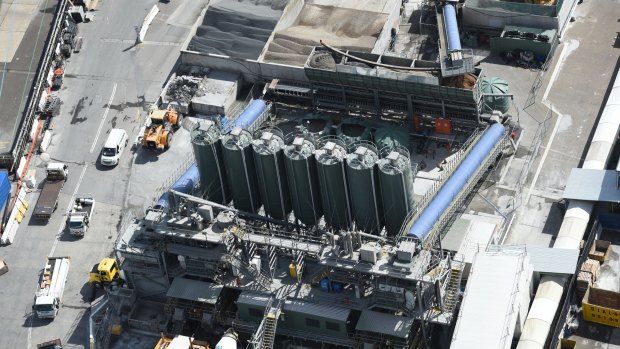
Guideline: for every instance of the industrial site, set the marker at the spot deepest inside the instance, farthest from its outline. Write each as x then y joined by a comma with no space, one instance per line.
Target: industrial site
300,174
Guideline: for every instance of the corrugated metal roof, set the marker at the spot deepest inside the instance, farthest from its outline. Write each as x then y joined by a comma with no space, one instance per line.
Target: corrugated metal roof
545,259
251,298
592,185
324,311
396,326
497,293
194,290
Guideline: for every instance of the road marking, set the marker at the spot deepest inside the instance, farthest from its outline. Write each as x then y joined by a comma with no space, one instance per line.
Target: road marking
64,221
544,157
569,47
105,115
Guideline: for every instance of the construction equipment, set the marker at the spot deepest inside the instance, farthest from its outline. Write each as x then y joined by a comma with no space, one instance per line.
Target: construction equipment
57,79
4,268
53,344
56,176
105,273
51,287
79,216
159,128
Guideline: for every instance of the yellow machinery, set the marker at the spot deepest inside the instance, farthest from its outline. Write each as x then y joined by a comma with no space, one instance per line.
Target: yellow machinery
105,273
158,133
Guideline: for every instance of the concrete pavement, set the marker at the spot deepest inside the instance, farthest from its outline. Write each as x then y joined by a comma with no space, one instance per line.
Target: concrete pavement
109,84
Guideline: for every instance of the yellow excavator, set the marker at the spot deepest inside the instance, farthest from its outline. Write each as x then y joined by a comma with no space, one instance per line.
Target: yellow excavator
159,129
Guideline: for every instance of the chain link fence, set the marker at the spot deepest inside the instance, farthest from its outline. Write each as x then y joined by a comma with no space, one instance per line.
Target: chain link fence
539,136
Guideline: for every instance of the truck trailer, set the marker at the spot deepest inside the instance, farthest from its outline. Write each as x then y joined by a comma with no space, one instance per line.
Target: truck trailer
56,176
48,297
53,344
79,216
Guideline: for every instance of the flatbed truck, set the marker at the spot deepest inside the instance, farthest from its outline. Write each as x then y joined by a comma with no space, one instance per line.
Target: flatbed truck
55,178
51,287
53,344
80,214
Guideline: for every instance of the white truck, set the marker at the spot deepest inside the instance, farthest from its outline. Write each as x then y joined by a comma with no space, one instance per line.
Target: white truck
51,287
79,216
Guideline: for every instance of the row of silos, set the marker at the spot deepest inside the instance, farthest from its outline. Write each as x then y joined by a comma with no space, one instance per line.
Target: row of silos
333,177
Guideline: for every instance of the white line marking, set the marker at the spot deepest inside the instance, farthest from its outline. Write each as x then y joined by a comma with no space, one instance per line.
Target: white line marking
544,157
60,230
64,221
105,115
568,47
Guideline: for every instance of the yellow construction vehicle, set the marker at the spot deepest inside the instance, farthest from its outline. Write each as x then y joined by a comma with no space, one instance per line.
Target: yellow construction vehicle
159,129
105,273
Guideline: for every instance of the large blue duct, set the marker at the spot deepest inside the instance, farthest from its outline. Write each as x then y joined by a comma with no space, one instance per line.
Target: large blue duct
184,184
250,114
453,186
452,27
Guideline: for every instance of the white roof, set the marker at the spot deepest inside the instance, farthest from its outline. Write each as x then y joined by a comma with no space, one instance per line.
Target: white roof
55,166
492,300
180,342
114,137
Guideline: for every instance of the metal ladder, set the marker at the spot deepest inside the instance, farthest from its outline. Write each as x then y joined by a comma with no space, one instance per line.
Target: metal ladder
300,261
273,256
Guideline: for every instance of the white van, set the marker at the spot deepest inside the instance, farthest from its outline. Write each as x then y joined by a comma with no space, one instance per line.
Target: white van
113,147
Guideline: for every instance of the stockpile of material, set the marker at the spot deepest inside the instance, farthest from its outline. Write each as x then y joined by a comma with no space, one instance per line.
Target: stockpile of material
218,93
345,28
237,28
608,278
587,276
465,81
180,92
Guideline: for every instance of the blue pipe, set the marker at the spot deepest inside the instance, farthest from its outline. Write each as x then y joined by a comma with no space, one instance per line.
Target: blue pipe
452,28
453,186
250,114
184,184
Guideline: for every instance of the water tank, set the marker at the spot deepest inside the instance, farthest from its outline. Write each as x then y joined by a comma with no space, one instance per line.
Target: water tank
325,285
269,161
317,125
302,179
240,170
353,130
391,136
331,156
364,187
494,85
396,180
207,148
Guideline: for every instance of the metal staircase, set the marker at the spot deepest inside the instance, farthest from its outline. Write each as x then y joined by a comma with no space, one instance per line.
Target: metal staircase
266,333
452,290
252,273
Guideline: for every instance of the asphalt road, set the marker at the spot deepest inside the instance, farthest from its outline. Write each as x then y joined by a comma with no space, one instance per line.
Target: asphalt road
109,84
